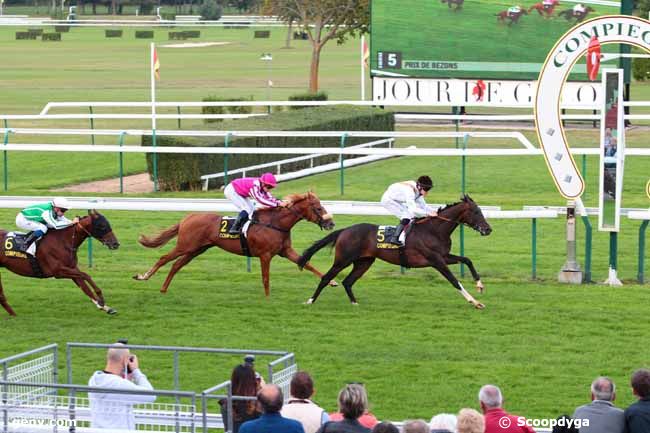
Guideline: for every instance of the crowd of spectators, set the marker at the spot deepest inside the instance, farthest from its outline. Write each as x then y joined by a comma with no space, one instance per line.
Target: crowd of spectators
264,409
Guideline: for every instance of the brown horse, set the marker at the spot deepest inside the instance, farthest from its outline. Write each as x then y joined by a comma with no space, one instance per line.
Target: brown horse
513,17
458,3
268,235
56,256
569,14
427,244
544,10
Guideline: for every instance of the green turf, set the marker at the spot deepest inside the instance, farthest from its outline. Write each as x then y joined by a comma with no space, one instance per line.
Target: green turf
413,340
425,30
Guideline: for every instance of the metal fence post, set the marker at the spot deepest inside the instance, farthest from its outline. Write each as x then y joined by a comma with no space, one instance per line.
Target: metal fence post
534,250
584,174
588,234
5,416
204,412
178,111
463,164
155,161
642,229
68,363
226,141
342,166
92,124
5,158
90,252
121,158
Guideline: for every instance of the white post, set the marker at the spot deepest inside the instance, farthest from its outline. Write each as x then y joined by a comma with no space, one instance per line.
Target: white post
363,73
153,118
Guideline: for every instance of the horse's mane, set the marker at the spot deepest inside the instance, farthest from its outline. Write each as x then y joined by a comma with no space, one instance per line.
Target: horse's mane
295,198
464,199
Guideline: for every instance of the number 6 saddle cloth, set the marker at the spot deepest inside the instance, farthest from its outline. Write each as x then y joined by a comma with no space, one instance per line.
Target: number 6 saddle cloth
13,245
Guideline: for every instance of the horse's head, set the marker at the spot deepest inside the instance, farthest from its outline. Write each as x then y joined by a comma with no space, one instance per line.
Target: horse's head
101,230
309,207
473,217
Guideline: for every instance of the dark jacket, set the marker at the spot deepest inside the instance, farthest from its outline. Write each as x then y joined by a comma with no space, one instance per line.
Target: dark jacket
345,426
637,417
272,423
241,414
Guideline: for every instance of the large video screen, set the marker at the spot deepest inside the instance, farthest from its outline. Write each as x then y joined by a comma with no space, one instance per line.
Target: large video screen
489,39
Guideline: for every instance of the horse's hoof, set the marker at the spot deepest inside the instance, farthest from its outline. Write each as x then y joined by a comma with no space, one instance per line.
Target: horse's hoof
308,301
111,311
137,277
479,306
480,287
333,283
356,304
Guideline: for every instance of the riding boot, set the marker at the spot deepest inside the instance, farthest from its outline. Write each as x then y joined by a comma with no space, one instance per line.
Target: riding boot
397,233
239,222
31,238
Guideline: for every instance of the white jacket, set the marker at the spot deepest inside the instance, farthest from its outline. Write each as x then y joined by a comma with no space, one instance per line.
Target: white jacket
406,195
115,411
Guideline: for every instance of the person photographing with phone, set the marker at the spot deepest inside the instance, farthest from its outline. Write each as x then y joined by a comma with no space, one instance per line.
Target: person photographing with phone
122,371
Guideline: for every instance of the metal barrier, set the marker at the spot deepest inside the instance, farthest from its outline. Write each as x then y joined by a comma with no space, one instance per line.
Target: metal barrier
645,216
34,366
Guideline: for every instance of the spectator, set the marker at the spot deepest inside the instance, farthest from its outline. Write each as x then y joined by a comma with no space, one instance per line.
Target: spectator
270,398
609,143
300,407
243,383
353,403
637,416
602,415
470,421
385,427
443,423
496,418
122,371
564,425
415,426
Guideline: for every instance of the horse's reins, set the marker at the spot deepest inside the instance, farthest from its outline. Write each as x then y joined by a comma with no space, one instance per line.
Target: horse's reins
319,221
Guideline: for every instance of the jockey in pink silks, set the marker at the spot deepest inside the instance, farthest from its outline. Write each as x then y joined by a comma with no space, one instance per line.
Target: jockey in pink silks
243,191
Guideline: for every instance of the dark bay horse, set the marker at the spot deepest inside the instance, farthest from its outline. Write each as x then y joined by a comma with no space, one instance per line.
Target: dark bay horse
458,3
268,236
427,244
56,255
513,17
569,14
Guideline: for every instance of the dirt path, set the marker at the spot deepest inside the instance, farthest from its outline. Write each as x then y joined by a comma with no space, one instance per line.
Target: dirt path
137,183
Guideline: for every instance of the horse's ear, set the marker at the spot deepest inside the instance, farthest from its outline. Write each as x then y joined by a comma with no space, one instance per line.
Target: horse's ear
92,213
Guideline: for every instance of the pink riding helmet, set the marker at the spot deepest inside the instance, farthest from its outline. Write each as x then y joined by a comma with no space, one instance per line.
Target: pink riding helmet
269,179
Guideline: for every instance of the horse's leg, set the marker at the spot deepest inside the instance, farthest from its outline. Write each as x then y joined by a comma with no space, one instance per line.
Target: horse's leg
173,254
4,303
293,256
178,264
439,263
359,268
265,262
99,303
452,260
82,279
337,267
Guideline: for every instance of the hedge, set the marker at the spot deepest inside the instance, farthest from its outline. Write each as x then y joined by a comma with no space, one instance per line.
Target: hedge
239,109
319,96
177,35
62,29
192,34
144,34
262,34
51,36
113,33
25,35
37,32
183,171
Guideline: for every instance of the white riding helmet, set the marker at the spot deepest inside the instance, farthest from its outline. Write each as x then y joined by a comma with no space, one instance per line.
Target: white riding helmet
61,203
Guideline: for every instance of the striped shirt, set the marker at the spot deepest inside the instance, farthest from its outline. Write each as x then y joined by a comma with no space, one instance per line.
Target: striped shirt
252,188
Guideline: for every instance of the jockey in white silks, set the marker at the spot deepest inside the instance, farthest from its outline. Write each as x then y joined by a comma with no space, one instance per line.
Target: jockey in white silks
579,9
514,10
405,200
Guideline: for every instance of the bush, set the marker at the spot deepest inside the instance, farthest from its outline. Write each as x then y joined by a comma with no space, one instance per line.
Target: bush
177,35
210,10
262,34
25,35
243,109
36,32
62,29
183,171
144,34
641,69
320,96
113,33
51,36
192,34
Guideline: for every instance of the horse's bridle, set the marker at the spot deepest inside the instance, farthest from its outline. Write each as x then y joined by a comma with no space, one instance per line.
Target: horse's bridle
88,233
455,221
319,218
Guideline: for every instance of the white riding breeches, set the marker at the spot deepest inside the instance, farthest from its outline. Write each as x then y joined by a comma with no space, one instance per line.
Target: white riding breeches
396,208
241,203
29,225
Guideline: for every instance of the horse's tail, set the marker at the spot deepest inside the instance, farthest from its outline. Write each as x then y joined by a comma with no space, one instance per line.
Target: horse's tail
160,239
316,246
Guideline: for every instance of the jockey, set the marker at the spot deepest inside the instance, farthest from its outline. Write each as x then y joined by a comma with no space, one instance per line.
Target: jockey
579,9
40,217
548,3
243,191
514,10
405,200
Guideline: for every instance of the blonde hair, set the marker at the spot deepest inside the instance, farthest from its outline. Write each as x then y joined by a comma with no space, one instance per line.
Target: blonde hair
470,421
353,401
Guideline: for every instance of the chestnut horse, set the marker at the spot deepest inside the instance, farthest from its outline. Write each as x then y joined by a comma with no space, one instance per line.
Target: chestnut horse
56,256
268,235
544,10
427,244
513,17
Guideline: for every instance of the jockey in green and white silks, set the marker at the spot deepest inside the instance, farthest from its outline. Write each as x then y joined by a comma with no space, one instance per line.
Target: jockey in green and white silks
38,218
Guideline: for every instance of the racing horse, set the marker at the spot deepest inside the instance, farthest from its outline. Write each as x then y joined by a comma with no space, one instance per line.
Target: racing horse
569,14
458,3
427,244
544,10
56,256
268,235
512,16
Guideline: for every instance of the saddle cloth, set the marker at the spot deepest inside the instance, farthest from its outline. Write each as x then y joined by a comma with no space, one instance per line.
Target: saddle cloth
384,233
13,243
226,223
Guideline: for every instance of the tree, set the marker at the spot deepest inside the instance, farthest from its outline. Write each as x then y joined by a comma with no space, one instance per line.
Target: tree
324,20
